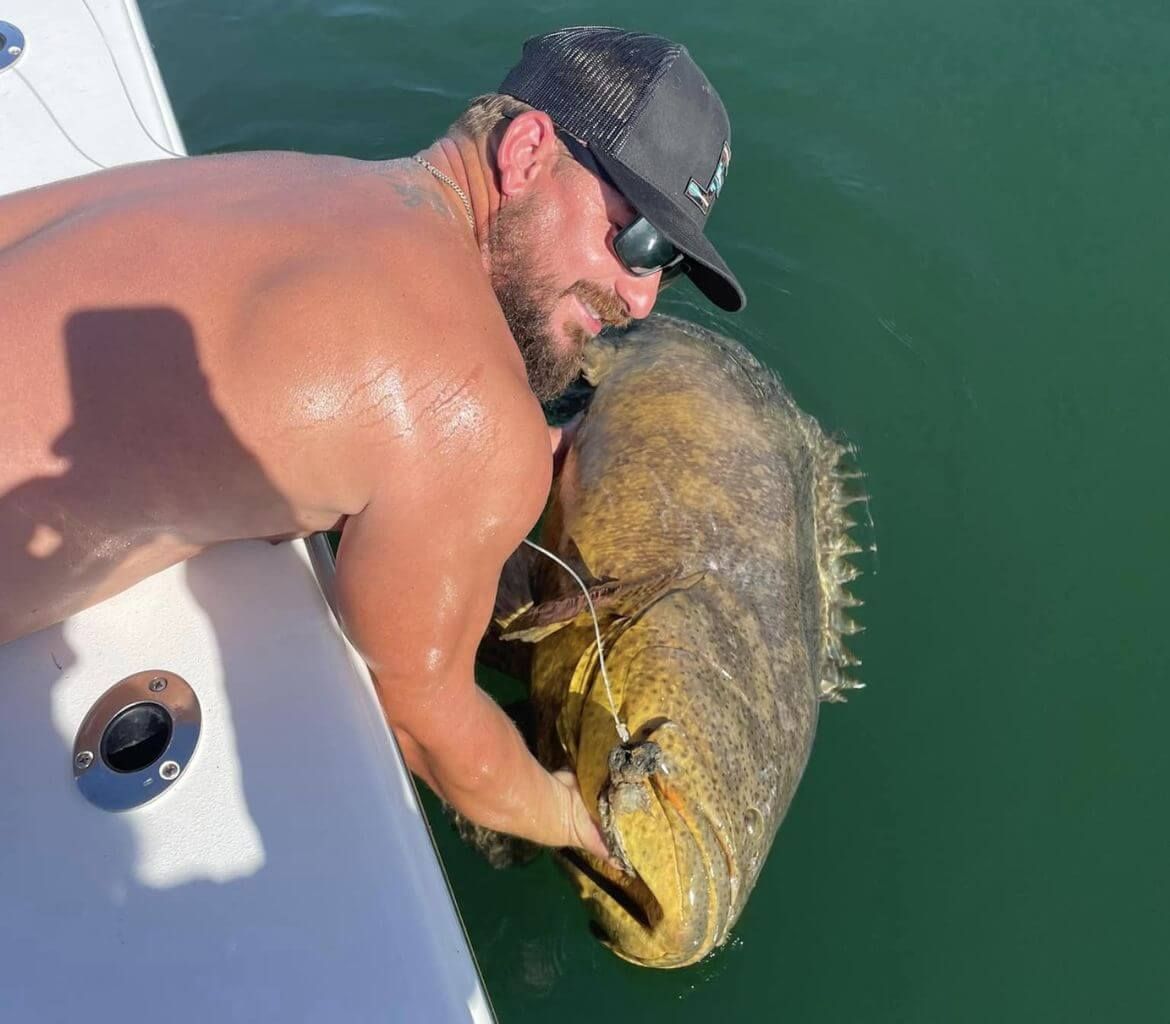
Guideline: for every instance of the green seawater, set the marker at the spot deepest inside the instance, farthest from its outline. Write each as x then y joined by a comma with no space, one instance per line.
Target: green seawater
950,220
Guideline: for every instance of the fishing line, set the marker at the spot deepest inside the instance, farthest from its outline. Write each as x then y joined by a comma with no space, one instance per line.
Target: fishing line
122,82
53,118
125,92
623,732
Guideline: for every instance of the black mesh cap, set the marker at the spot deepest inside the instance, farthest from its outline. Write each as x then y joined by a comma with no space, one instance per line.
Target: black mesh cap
652,120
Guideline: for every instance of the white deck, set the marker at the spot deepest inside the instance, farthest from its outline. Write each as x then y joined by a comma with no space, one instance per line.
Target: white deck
288,874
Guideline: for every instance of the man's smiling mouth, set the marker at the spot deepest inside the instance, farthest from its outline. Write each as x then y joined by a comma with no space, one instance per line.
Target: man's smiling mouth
599,308
593,321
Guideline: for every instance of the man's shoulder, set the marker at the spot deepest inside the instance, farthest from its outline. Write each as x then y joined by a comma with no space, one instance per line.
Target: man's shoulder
396,281
438,363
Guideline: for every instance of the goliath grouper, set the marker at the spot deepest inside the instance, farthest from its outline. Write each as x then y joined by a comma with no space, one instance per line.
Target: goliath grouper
705,512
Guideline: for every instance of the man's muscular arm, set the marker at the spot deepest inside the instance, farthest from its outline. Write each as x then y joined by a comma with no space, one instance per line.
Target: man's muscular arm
416,579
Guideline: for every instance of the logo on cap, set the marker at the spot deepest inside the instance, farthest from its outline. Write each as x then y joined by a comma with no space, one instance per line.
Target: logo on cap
704,197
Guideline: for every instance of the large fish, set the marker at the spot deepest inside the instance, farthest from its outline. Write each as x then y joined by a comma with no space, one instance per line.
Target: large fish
705,512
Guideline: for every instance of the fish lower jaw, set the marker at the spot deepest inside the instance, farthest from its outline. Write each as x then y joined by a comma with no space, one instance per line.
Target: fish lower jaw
634,922
629,918
619,900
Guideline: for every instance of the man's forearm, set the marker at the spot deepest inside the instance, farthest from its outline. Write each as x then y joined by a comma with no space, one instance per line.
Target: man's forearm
475,759
483,768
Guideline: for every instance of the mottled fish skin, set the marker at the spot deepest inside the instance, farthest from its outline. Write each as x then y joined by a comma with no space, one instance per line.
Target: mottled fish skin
692,469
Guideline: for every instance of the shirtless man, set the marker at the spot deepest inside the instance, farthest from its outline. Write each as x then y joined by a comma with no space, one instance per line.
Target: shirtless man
266,345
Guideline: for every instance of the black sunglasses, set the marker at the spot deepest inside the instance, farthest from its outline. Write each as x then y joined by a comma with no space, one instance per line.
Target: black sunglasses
642,248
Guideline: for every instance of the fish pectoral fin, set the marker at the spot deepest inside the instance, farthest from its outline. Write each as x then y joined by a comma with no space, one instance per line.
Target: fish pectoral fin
545,619
514,593
630,598
611,599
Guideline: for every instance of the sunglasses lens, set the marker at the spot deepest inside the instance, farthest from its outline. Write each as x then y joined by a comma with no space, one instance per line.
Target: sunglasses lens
640,245
644,249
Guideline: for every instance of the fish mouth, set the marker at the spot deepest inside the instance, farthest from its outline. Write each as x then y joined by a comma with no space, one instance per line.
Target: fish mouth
671,902
628,894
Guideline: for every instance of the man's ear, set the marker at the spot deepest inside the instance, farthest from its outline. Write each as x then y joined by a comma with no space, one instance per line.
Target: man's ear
528,149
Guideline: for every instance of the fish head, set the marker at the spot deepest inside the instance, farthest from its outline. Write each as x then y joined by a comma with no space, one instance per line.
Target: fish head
664,810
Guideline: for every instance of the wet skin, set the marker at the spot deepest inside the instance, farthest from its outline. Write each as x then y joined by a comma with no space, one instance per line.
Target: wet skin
265,345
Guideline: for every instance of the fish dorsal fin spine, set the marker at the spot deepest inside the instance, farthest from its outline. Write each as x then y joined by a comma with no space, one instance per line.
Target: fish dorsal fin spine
833,474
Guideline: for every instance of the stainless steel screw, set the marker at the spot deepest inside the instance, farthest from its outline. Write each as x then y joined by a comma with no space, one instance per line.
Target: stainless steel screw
83,760
169,770
158,684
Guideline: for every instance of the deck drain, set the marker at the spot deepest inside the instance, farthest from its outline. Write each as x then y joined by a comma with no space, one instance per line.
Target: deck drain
11,44
136,740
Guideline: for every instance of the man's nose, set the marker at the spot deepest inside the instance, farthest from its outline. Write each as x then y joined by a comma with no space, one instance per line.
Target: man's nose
638,293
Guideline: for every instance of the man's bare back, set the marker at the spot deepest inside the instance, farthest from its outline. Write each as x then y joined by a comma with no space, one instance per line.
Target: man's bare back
240,346
266,345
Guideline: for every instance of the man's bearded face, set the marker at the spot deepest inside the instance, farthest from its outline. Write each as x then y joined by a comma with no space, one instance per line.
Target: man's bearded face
527,297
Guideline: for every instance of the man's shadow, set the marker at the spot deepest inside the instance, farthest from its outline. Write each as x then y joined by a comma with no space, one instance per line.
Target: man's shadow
148,456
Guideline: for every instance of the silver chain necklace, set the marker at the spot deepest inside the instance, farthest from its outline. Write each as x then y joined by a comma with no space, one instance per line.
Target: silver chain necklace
447,180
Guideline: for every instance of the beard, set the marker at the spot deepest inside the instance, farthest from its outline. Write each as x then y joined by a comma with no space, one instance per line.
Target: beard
527,298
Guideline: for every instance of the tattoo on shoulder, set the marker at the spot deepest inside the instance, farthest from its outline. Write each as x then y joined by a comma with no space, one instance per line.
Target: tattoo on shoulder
416,195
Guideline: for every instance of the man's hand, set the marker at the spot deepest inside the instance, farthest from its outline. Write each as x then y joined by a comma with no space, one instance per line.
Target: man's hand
580,830
520,798
503,850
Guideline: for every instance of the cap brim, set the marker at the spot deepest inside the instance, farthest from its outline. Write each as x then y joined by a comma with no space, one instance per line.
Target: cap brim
704,265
